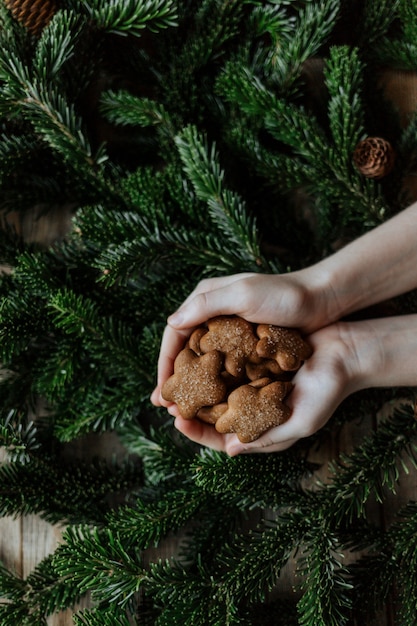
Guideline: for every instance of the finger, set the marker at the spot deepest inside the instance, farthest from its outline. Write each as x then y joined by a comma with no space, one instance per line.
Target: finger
312,404
204,434
172,342
210,298
238,448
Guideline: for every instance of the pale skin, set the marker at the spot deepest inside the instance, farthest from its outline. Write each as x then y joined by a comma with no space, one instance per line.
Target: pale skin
347,355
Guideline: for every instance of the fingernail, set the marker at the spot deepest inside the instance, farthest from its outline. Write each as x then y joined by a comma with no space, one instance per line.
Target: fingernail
235,450
176,319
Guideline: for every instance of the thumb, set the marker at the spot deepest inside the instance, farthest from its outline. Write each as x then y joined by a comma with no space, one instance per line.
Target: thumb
204,306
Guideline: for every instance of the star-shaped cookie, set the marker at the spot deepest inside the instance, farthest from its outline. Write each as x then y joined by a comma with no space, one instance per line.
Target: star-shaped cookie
235,338
196,382
251,411
285,345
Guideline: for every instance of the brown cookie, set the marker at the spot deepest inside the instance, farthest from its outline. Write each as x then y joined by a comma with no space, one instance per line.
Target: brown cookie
267,367
260,382
251,411
194,340
235,338
196,382
210,414
285,345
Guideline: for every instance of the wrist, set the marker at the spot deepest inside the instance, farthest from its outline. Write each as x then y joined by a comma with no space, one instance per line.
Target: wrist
382,352
321,296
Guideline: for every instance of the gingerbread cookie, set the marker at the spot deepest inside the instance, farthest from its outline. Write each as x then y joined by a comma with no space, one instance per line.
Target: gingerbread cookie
210,414
285,345
196,382
267,367
195,337
235,338
253,410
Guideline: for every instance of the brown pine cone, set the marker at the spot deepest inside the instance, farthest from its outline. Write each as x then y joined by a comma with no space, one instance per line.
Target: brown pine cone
374,157
32,14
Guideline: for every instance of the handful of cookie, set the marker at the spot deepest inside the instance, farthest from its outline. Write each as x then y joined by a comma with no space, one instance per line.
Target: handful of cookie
236,375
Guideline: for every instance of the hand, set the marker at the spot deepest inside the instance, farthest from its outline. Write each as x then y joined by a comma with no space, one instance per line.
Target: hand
294,300
347,357
320,385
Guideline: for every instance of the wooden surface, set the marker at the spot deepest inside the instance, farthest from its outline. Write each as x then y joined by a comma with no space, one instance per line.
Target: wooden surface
24,542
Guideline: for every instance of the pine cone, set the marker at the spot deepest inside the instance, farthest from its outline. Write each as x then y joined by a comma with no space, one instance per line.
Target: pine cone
374,157
33,14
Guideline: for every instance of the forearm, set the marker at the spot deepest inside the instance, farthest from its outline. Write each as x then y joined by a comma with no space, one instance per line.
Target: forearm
381,352
377,266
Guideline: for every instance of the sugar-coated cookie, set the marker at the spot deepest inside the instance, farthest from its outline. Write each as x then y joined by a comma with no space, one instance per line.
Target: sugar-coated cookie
285,345
252,410
195,337
196,382
235,338
210,414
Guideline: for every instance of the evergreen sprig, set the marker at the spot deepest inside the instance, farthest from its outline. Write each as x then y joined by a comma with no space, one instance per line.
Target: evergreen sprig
96,560
156,513
326,597
373,466
242,479
19,440
125,109
83,493
101,617
309,32
131,17
226,208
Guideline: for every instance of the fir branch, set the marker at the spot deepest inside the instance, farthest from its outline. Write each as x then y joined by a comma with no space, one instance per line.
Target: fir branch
408,16
326,599
20,440
397,53
273,20
373,578
276,168
253,561
56,46
63,493
12,587
344,81
94,404
130,16
389,565
377,18
78,315
97,561
158,512
400,51
180,595
165,454
47,592
20,323
310,31
110,616
18,613
372,466
243,478
125,109
403,534
226,208
31,90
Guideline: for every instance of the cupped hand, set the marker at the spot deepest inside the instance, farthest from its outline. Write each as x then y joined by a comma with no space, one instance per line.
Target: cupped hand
320,385
293,300
347,357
